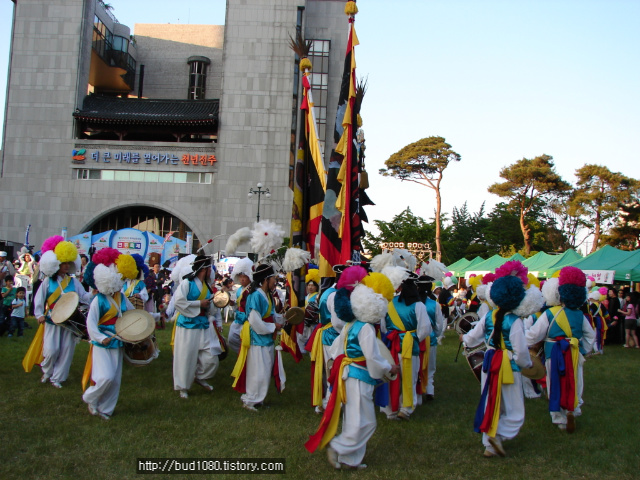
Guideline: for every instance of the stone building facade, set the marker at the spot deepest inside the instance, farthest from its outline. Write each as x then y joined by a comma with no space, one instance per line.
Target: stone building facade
58,58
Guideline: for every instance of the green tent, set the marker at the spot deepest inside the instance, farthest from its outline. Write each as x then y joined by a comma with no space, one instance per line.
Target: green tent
629,269
553,263
457,267
539,259
515,256
490,264
460,271
602,259
567,258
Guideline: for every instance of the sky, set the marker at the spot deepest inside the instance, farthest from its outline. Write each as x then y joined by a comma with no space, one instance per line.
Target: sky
499,80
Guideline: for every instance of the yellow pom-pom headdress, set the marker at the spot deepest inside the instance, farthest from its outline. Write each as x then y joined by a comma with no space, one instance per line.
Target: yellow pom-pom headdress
127,266
379,283
313,276
66,252
533,280
475,281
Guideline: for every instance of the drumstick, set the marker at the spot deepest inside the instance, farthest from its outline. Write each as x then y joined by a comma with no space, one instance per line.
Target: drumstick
457,354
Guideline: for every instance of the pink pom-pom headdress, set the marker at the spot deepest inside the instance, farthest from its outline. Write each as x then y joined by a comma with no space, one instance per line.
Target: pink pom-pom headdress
514,268
489,278
51,243
106,256
573,276
350,277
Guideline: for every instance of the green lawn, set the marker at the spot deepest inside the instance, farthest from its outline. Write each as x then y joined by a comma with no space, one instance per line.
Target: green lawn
48,433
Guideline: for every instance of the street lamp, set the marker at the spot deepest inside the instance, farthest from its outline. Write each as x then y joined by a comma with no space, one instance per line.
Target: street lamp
259,192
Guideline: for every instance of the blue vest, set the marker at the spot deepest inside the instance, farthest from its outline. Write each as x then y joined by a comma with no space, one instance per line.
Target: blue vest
507,322
431,305
407,314
53,286
575,318
257,302
354,350
330,334
104,305
201,321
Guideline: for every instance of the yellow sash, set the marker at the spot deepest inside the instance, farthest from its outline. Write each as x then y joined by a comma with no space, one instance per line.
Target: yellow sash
245,339
129,291
202,296
112,312
34,352
406,356
53,298
341,393
563,322
505,377
317,355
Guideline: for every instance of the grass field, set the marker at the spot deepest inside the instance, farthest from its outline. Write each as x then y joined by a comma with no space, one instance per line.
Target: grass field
48,433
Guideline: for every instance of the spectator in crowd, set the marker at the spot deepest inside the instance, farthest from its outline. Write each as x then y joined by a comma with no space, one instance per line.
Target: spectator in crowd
8,294
615,334
630,312
6,268
36,280
18,312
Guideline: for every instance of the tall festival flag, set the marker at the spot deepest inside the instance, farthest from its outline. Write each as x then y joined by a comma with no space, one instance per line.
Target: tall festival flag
341,230
310,177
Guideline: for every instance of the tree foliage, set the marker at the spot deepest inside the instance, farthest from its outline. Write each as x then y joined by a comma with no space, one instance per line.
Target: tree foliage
528,183
598,198
404,227
626,234
423,162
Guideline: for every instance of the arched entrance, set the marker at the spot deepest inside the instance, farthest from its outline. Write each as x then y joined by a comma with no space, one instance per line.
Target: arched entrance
146,219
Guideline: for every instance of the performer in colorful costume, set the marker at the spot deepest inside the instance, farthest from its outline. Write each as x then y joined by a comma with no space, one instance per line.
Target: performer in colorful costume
406,325
568,337
326,332
311,319
53,346
135,287
104,363
438,325
357,366
256,361
243,275
500,412
599,317
197,344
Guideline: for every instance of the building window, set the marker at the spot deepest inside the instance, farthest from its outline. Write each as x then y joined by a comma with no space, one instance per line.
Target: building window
319,56
197,77
144,177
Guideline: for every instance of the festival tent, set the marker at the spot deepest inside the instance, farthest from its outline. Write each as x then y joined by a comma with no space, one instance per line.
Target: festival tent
542,264
557,262
457,268
601,264
470,266
539,259
490,264
629,269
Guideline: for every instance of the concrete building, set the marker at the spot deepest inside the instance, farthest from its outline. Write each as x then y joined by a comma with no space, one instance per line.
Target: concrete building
214,118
